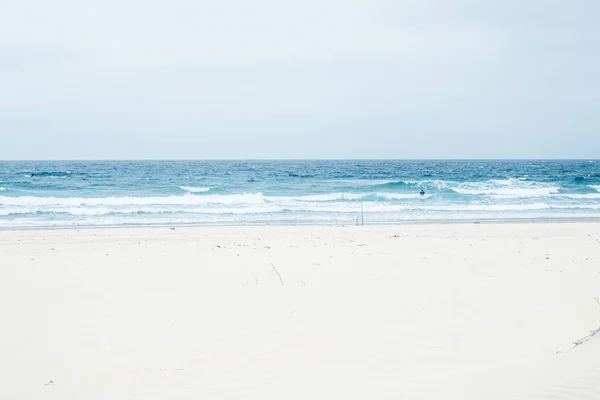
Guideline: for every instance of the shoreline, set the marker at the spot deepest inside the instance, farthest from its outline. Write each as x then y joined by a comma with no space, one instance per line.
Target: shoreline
566,220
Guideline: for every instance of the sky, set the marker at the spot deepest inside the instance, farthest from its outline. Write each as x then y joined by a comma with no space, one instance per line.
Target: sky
274,79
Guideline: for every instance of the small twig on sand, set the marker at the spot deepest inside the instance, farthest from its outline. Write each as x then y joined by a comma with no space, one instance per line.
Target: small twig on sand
591,335
277,272
588,337
303,284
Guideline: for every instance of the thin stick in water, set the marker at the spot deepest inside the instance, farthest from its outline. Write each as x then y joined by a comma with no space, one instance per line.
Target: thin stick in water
362,215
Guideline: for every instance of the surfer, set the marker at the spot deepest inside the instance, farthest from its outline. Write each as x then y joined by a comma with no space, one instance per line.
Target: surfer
422,192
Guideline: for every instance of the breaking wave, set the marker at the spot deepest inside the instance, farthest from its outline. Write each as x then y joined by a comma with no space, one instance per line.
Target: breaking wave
192,189
138,192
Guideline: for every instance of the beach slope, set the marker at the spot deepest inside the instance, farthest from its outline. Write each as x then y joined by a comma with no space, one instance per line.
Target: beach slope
450,311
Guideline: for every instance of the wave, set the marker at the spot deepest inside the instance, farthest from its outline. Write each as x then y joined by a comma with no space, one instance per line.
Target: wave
186,199
520,187
579,195
510,192
82,211
386,200
250,199
394,185
402,196
508,181
2,189
320,197
481,207
189,199
193,189
510,188
311,208
351,197
426,184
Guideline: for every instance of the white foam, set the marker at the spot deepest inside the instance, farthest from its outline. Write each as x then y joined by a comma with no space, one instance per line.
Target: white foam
452,207
189,207
595,187
86,211
329,197
320,197
348,197
401,196
516,187
479,207
184,200
193,189
187,199
579,195
510,192
296,207
438,184
510,188
163,210
2,188
507,182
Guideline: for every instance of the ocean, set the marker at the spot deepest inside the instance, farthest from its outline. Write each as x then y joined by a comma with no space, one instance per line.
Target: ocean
106,193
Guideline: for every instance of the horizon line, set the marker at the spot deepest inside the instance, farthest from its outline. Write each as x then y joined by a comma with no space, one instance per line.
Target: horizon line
292,159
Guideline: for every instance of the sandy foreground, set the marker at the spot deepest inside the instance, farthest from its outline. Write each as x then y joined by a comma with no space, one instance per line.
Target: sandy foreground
456,311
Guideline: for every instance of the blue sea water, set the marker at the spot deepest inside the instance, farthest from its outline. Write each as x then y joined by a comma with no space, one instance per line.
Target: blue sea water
78,193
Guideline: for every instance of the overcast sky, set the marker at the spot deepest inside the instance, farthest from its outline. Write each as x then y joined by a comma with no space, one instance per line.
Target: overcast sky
193,79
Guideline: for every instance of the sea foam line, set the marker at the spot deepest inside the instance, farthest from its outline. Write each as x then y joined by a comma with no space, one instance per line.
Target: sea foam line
193,189
298,208
190,199
186,199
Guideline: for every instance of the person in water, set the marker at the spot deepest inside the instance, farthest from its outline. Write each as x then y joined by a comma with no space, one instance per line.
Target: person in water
422,192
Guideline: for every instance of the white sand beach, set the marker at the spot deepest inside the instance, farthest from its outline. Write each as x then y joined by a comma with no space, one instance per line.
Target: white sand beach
450,311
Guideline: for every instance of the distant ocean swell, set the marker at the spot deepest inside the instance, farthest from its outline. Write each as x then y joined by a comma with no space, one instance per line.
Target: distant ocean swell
121,193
